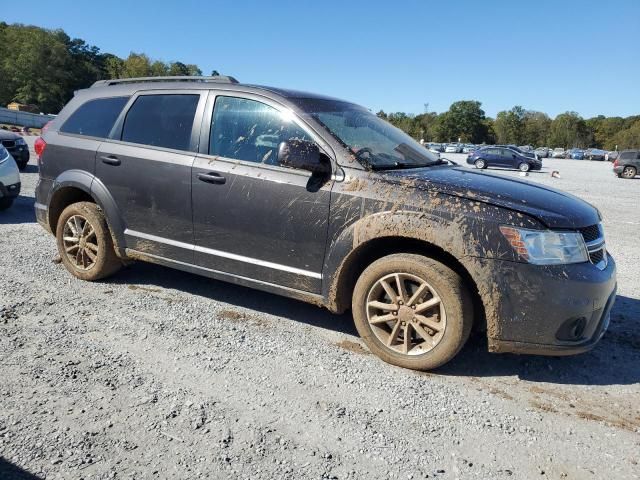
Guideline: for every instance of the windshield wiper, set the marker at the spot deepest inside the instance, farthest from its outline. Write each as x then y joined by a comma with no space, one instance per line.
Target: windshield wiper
405,165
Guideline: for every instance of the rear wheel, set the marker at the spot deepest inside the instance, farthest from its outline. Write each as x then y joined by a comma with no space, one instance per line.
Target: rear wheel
84,242
412,311
628,172
524,167
5,203
480,163
22,165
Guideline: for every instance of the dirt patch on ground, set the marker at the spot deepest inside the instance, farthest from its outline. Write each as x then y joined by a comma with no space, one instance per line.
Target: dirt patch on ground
144,289
354,347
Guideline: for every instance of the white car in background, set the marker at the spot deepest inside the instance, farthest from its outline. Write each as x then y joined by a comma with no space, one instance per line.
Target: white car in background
558,153
9,179
453,148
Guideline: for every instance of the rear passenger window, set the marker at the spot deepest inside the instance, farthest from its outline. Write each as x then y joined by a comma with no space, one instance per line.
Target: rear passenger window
627,155
248,130
95,118
161,120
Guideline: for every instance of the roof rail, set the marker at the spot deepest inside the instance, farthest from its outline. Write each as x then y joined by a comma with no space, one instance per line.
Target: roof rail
185,78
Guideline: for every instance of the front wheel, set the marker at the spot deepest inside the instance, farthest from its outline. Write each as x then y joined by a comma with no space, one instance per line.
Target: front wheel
412,311
84,242
628,172
524,167
480,164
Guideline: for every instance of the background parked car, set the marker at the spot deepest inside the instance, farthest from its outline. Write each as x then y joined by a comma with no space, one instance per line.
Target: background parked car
453,148
627,165
594,154
542,152
558,152
575,154
468,148
9,179
436,147
611,156
503,157
16,146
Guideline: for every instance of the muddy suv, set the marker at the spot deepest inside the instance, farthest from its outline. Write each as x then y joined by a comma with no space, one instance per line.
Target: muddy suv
318,199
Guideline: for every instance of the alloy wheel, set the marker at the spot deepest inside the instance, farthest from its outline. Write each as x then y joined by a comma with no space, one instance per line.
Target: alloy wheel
80,242
480,164
629,172
406,314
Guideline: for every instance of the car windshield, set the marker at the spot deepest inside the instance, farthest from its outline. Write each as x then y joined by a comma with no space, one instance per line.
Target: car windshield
375,143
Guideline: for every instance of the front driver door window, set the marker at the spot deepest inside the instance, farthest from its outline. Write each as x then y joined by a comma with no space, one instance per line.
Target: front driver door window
258,220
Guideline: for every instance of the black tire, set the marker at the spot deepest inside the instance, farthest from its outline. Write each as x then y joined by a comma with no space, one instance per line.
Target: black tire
22,165
480,163
629,172
454,298
524,167
5,203
105,261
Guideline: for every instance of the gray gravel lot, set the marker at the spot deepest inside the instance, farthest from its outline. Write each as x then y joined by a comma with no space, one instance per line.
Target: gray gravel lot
157,373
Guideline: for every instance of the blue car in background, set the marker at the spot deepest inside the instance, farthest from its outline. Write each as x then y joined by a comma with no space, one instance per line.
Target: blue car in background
506,157
575,154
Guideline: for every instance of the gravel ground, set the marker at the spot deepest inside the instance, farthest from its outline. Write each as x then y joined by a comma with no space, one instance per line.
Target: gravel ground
157,373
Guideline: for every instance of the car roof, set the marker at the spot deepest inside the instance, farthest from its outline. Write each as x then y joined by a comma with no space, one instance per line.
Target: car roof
128,86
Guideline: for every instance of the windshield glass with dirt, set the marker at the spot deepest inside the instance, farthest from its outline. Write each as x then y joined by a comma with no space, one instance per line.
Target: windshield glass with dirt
374,142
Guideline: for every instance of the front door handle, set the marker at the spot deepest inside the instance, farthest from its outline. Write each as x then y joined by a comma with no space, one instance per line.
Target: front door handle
111,160
212,177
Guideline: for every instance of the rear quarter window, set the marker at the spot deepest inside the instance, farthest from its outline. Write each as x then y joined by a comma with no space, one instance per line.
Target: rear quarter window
95,118
161,120
628,155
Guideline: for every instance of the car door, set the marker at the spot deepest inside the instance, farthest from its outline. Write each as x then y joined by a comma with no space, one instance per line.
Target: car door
491,156
253,217
146,167
506,158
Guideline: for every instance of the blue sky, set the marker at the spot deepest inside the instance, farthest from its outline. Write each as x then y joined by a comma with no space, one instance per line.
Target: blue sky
394,55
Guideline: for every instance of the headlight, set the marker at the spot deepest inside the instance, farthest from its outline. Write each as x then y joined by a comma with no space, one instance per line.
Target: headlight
20,141
546,247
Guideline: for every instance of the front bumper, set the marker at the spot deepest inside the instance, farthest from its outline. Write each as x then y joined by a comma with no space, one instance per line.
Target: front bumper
9,191
20,153
549,310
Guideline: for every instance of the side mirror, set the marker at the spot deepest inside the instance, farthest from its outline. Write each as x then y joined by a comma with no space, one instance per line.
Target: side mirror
301,154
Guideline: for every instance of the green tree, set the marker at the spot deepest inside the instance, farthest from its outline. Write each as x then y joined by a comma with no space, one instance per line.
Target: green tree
136,65
569,130
536,128
627,138
510,126
464,120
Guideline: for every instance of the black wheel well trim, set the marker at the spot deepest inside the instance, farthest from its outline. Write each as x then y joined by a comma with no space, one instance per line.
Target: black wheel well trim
77,186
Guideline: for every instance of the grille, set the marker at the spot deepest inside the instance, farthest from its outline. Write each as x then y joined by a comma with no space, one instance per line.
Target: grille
9,143
596,256
590,233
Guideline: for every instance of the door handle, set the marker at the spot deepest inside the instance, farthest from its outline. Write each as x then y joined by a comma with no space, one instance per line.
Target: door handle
111,160
212,177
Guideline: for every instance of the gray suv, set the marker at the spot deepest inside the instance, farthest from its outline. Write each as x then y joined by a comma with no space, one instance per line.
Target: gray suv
318,199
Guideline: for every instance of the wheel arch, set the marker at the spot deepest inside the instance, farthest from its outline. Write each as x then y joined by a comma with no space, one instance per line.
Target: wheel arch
80,186
341,286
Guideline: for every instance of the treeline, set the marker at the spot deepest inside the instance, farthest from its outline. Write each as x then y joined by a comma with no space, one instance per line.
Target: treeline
465,120
44,67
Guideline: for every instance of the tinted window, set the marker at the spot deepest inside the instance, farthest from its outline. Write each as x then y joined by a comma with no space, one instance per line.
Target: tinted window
492,151
507,153
161,120
95,118
627,155
248,130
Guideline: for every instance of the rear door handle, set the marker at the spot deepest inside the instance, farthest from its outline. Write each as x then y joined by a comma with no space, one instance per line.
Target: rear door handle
111,160
212,177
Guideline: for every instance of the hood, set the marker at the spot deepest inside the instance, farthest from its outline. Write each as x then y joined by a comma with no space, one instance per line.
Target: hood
7,135
552,207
